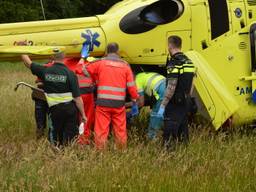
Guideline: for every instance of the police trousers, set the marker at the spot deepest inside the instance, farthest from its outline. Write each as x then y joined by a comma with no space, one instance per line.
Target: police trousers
175,125
64,123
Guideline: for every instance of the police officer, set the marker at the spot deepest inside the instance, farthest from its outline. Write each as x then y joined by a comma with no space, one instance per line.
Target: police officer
63,96
175,105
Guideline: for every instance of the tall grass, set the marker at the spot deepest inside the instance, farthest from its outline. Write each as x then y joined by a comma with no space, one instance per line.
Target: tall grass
212,162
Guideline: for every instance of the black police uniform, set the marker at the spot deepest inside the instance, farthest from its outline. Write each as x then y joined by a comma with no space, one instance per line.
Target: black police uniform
176,112
60,86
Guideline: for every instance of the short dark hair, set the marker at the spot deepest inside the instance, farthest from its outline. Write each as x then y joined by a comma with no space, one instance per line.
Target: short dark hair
58,54
175,40
112,48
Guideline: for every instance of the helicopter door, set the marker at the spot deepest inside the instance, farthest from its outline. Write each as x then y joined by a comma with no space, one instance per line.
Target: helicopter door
253,48
253,59
217,100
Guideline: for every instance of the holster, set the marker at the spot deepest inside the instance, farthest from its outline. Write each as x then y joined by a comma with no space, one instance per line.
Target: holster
179,99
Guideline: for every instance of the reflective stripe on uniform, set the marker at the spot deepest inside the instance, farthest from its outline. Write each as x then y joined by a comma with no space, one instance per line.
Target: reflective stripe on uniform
84,81
189,70
110,96
131,84
149,84
110,88
140,90
153,82
57,98
188,65
186,68
83,84
158,83
172,70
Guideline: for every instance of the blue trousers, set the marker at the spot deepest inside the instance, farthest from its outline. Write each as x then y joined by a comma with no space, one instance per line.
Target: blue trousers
156,122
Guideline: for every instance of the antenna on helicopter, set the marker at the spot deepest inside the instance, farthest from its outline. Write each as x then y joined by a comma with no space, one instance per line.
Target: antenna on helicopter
42,6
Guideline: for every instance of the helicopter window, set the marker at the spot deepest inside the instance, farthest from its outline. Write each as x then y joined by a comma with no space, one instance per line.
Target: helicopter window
162,12
132,24
148,17
219,17
253,46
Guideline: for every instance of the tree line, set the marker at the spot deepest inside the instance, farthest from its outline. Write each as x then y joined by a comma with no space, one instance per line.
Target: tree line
31,10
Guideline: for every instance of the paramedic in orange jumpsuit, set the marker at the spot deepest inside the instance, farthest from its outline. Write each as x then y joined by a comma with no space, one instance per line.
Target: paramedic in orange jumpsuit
114,77
86,90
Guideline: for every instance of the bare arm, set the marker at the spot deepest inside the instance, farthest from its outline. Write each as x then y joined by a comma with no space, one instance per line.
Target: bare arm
140,101
172,83
192,89
193,85
27,61
80,104
128,104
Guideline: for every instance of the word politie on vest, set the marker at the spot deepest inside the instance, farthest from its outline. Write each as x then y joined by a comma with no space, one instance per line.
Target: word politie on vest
56,78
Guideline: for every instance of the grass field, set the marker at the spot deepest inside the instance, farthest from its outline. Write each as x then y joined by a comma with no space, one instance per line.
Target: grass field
212,162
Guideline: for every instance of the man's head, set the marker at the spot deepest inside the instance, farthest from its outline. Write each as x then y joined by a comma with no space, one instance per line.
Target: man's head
58,55
174,44
112,48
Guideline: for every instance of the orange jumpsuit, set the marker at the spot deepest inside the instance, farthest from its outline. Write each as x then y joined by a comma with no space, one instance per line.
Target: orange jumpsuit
86,90
114,77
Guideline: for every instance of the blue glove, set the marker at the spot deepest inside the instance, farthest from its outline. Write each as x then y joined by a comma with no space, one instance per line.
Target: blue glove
129,117
85,51
135,109
161,111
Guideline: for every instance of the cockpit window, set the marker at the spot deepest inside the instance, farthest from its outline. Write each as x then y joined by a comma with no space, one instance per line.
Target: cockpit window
148,17
219,17
162,12
253,46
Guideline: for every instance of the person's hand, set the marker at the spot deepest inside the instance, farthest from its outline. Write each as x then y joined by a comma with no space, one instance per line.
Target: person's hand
161,110
26,60
84,51
135,109
84,119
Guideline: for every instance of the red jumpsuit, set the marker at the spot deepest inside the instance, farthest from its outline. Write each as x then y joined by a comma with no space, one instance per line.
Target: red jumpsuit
114,77
86,90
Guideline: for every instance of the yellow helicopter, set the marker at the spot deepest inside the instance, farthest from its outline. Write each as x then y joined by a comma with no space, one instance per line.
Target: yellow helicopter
219,36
